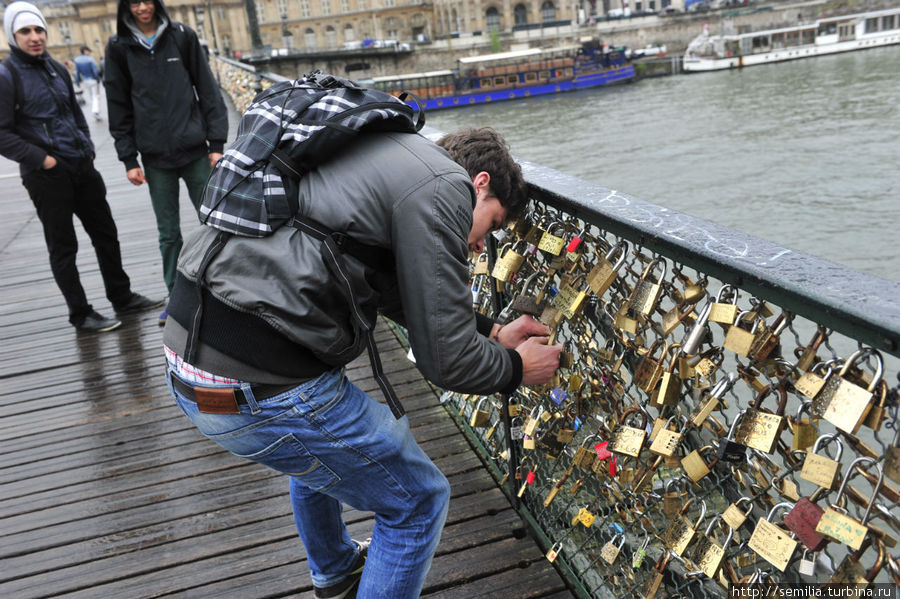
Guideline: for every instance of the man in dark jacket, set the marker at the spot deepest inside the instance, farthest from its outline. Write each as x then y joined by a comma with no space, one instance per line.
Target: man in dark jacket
43,129
153,67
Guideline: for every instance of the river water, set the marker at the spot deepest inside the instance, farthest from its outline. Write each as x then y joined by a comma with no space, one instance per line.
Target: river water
805,154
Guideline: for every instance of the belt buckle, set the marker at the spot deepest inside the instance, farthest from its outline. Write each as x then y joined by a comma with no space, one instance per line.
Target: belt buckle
216,400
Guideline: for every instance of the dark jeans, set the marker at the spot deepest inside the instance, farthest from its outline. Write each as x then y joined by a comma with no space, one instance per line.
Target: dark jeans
163,184
58,194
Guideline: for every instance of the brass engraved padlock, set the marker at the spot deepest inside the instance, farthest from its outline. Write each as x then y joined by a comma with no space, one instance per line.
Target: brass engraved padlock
695,466
759,429
610,550
771,542
604,273
739,339
681,532
848,407
721,311
836,524
734,517
822,470
646,292
709,555
649,368
667,441
629,440
552,243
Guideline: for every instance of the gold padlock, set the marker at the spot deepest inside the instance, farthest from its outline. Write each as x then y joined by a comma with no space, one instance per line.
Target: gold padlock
759,429
772,543
734,517
629,440
646,292
667,441
850,404
741,340
803,431
695,466
722,311
709,555
681,532
836,524
479,417
822,470
602,275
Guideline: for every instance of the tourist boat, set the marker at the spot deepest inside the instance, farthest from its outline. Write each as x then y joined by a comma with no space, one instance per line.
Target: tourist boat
827,35
512,75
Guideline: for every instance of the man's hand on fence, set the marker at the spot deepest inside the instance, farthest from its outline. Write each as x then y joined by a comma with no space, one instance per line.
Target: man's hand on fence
539,360
518,331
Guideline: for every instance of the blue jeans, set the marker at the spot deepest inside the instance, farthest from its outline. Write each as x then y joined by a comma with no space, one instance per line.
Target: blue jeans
337,444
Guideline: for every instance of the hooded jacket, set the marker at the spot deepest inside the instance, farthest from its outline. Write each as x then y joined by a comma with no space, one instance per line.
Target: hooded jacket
49,120
150,94
272,304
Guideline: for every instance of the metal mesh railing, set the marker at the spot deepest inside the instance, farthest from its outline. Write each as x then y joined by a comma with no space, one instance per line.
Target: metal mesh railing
671,455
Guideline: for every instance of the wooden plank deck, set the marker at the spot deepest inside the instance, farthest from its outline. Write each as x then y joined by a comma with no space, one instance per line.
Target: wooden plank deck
107,490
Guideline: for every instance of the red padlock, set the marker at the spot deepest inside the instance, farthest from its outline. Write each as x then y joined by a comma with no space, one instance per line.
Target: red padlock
802,520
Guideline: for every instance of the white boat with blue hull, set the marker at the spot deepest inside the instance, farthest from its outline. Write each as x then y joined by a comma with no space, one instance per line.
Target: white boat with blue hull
828,35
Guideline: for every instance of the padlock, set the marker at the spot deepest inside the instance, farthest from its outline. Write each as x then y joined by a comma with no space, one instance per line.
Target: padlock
722,311
479,417
481,264
553,241
802,521
681,532
877,412
770,542
850,403
529,478
610,551
525,300
734,517
584,457
818,384
649,368
730,451
803,431
629,440
637,558
739,339
667,441
533,420
807,564
695,466
668,392
605,272
806,356
554,552
585,517
698,333
508,263
767,340
674,317
892,457
709,400
836,524
654,581
571,297
822,470
646,292
673,500
852,572
708,555
760,429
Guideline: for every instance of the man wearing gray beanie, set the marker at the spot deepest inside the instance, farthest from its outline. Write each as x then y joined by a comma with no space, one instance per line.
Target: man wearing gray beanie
43,129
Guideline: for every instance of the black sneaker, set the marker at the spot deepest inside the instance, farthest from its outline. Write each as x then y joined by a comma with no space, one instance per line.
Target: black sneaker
346,589
138,303
97,323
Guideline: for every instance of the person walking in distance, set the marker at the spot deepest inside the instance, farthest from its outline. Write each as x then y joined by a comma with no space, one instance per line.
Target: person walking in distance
87,75
163,103
43,129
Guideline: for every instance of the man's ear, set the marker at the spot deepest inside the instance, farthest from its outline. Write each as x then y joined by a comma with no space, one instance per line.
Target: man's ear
482,181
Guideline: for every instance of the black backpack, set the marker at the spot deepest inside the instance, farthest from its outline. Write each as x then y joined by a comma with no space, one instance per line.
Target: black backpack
286,131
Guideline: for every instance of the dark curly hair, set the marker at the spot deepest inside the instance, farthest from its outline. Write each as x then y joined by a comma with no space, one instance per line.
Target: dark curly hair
483,149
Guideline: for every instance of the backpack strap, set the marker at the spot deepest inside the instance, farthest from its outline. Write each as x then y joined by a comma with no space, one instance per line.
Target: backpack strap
334,246
17,85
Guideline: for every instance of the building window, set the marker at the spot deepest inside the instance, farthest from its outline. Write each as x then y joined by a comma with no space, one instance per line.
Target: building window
331,37
260,12
548,12
520,12
345,6
220,13
492,19
107,26
305,10
309,38
349,35
361,5
282,7
65,31
326,7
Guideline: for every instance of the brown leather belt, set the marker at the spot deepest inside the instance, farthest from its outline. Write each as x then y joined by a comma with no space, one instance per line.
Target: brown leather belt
225,400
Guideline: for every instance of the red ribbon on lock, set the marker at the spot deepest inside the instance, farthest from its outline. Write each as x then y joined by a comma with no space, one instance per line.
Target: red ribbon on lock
602,452
529,478
612,466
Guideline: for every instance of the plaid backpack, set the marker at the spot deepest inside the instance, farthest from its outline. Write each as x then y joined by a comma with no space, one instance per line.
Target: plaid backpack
286,131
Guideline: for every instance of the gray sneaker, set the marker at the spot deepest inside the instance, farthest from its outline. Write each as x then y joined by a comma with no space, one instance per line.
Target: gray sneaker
346,589
97,323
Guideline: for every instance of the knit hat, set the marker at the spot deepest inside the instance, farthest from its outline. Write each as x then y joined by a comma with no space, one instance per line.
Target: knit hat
21,14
